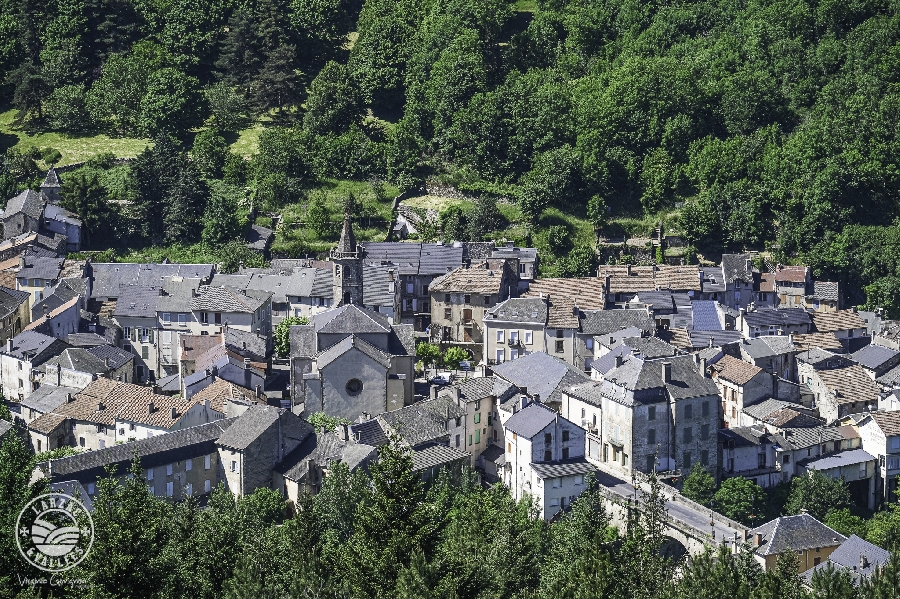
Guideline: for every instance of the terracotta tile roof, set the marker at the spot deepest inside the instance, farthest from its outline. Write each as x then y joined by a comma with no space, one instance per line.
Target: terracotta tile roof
125,401
791,274
221,391
851,384
817,340
46,423
475,279
736,371
563,313
888,422
193,346
587,292
766,282
842,320
625,279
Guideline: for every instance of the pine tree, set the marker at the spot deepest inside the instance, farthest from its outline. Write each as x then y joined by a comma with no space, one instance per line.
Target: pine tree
83,194
184,205
783,582
278,84
153,173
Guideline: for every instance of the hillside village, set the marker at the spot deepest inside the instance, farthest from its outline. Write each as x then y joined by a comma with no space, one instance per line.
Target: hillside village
637,371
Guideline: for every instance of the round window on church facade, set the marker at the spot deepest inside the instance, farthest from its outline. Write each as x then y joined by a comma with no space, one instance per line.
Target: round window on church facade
354,386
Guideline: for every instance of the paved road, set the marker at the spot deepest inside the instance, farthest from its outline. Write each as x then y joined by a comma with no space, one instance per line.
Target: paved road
679,511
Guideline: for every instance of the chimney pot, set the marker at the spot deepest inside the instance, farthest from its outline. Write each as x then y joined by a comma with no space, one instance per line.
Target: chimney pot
345,432
258,392
247,363
667,372
68,397
757,539
9,345
703,366
150,407
173,412
99,406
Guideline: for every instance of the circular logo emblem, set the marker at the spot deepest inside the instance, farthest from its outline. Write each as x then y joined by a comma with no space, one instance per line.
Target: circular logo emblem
54,532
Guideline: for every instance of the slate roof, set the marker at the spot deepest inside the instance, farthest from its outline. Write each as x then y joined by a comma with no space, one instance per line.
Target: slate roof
588,292
540,374
153,451
766,407
737,267
519,309
719,338
78,359
243,341
85,339
228,299
41,268
370,432
842,320
816,356
638,374
380,285
194,346
795,533
415,258
60,214
571,467
28,202
768,346
424,421
607,361
171,384
436,455
108,277
10,300
874,356
765,283
323,450
52,179
744,436
838,460
734,370
340,348
604,322
706,316
256,420
792,418
350,318
135,301
890,378
590,392
657,300
530,420
47,398
651,347
259,238
787,317
474,389
802,438
118,357
712,279
38,347
848,557
825,290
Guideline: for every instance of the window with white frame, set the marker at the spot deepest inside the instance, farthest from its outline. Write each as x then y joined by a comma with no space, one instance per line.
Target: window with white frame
500,335
528,337
166,317
501,356
514,337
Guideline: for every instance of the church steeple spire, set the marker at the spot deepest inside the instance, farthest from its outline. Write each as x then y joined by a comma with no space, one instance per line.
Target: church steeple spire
346,247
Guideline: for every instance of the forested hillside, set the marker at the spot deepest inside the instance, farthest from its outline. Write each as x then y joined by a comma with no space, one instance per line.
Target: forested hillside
756,122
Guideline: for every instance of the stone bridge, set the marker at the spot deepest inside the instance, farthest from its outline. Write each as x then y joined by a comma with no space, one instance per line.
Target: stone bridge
690,527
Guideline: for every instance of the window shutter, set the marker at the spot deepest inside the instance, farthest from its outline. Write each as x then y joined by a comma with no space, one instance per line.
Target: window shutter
134,334
151,335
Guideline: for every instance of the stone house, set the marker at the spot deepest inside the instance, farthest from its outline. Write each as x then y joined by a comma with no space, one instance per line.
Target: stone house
350,360
227,368
257,442
541,376
658,414
791,283
792,445
519,326
78,367
19,359
855,556
14,312
773,353
135,312
477,425
544,458
838,385
737,275
624,282
741,384
823,296
60,322
37,275
756,322
107,279
298,291
215,307
803,536
42,400
776,414
192,347
856,467
764,295
748,452
460,299
848,326
880,434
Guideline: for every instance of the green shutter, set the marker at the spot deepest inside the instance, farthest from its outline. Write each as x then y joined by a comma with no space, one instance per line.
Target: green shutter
478,418
151,335
478,435
470,439
134,334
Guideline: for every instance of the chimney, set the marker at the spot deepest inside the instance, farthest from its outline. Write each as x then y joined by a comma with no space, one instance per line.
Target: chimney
612,340
366,416
863,561
628,270
703,366
780,332
791,337
345,432
667,372
150,407
749,265
246,363
99,406
22,261
46,309
68,398
206,403
173,413
523,402
757,539
9,345
106,360
618,360
259,392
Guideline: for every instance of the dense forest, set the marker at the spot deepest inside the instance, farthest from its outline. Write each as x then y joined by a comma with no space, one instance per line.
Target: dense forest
766,124
386,535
